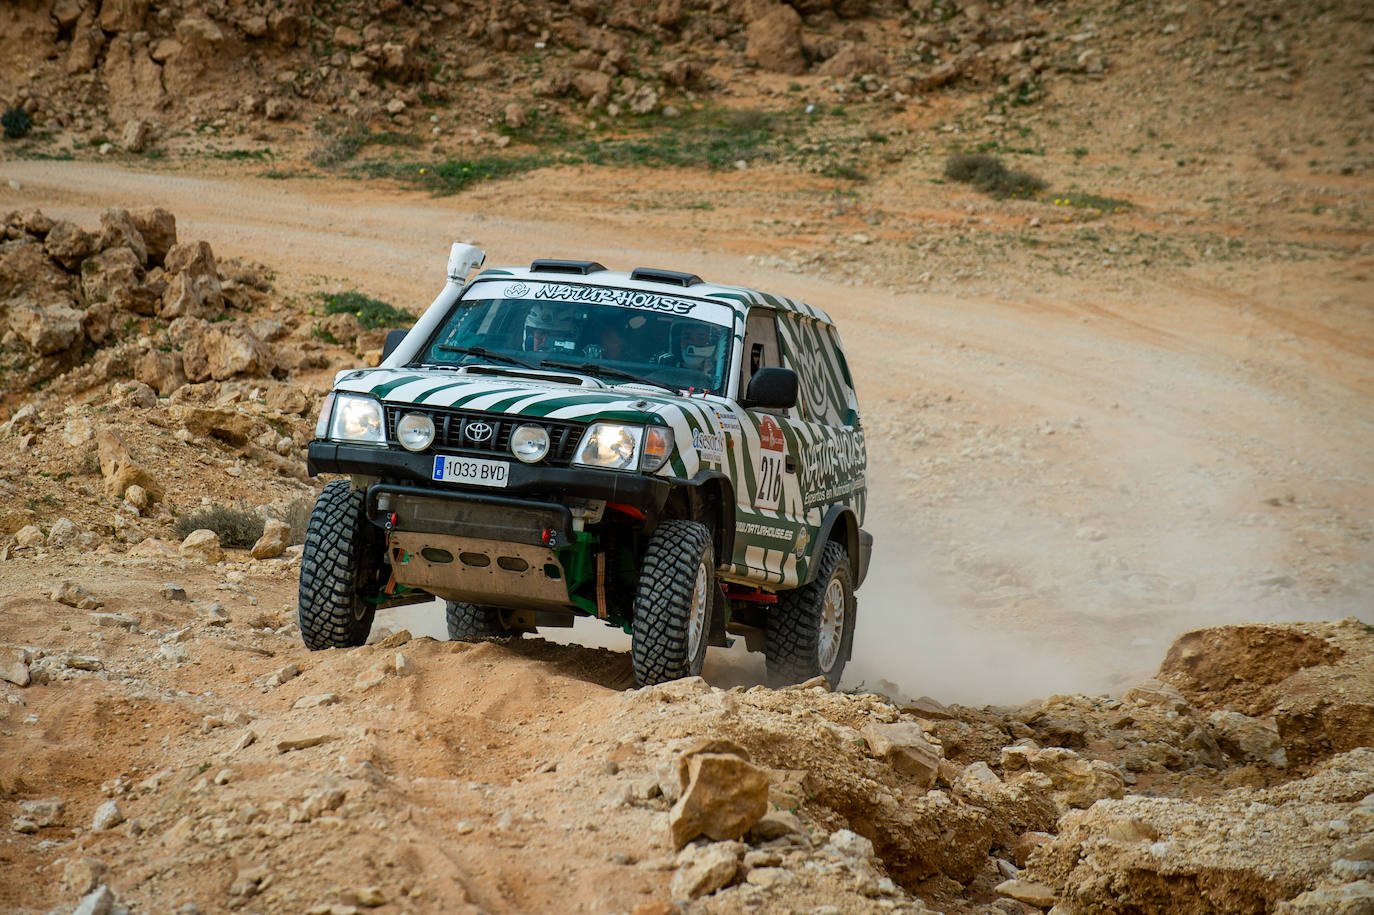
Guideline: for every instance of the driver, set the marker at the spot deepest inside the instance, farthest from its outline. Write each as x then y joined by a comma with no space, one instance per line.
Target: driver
548,331
698,347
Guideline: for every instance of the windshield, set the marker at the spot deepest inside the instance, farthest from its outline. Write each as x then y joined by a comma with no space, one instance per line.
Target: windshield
651,339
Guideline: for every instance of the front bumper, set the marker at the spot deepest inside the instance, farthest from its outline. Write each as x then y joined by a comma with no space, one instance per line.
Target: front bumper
536,482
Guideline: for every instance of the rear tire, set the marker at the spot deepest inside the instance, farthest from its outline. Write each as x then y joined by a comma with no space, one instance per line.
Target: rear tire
340,565
811,629
473,622
673,604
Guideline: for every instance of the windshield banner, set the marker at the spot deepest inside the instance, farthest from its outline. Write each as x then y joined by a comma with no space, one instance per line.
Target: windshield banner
620,298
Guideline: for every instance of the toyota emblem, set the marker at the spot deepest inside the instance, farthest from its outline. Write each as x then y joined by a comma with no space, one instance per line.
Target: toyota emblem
479,431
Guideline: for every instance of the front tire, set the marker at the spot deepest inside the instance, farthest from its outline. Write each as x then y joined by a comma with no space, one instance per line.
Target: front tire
672,607
340,566
473,622
811,629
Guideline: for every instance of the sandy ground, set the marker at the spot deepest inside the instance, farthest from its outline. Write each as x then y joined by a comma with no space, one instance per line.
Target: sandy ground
1069,466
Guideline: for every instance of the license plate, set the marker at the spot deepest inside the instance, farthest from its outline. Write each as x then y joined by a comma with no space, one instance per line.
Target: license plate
475,471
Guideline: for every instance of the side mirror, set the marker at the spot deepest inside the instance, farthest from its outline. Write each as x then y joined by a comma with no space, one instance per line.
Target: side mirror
773,388
393,340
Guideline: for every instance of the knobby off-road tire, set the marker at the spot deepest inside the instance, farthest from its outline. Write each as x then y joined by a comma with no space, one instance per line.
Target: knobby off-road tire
473,622
673,604
341,563
811,629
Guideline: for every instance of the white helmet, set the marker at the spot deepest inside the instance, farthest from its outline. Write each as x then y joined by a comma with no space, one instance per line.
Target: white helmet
698,347
556,329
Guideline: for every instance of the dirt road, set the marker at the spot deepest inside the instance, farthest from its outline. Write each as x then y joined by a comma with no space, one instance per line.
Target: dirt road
1066,472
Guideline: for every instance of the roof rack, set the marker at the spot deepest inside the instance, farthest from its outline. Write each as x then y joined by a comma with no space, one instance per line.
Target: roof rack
671,277
553,265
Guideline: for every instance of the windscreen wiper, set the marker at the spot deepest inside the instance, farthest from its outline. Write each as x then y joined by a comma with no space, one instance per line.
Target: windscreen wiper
595,368
481,352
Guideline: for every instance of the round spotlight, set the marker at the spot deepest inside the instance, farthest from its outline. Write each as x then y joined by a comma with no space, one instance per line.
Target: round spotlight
529,443
415,431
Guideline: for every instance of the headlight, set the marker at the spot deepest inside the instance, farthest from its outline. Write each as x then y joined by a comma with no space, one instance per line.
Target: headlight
357,419
415,431
529,443
609,445
658,446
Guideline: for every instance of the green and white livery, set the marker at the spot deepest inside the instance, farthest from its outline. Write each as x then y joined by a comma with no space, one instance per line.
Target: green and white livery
681,459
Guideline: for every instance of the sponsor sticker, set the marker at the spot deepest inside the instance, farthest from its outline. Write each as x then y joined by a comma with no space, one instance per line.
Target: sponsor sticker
771,464
753,529
624,298
729,422
710,445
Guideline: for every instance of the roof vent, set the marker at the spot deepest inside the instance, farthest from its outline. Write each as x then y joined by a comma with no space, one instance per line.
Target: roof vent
671,277
581,268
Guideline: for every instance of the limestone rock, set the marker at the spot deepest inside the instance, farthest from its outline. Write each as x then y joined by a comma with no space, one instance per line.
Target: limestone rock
45,812
203,545
100,901
123,15
14,670
138,134
30,536
81,875
276,536
113,276
158,227
1075,781
73,595
1033,894
107,816
69,244
223,351
724,796
1245,738
703,869
120,469
854,60
903,745
193,286
161,371
28,275
775,41
118,230
46,330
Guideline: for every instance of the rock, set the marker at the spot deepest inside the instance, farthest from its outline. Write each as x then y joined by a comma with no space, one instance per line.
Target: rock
277,678
45,812
118,467
322,802
30,536
29,276
46,330
73,595
903,746
223,351
69,244
394,640
316,701
777,824
227,425
64,533
774,41
1033,894
193,286
98,902
23,825
724,796
854,60
1236,667
850,845
118,230
138,134
1244,738
768,877
203,545
304,742
703,869
158,228
591,85
276,536
173,591
81,875
515,116
928,708
403,665
107,816
1075,782
123,15
115,275
372,677
14,670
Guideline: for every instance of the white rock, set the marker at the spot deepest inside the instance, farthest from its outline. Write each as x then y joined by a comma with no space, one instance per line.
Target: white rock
203,545
107,816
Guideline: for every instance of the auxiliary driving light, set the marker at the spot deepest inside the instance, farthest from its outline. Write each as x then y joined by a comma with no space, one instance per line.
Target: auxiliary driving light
529,443
415,431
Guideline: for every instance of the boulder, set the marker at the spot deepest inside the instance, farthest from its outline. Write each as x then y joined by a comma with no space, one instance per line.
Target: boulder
903,746
199,44
118,467
118,230
225,424
81,875
723,797
703,869
30,535
107,816
854,60
46,330
88,41
158,228
27,274
223,351
133,80
1247,739
69,244
161,371
137,135
591,85
123,15
203,545
193,287
1236,667
1073,781
112,276
774,41
276,537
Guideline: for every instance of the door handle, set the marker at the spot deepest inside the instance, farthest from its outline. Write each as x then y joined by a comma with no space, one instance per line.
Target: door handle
790,464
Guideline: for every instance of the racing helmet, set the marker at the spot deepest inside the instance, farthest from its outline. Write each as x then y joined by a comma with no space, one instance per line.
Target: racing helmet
548,330
698,346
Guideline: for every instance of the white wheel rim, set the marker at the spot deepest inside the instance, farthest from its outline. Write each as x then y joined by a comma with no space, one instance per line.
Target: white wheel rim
832,625
696,617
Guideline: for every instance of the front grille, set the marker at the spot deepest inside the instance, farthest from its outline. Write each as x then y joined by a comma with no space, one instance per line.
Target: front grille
460,431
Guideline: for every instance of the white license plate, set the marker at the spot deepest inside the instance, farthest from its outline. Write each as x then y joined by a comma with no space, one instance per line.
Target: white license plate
475,471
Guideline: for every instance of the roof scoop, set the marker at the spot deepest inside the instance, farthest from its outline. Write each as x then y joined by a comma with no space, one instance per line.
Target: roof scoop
462,260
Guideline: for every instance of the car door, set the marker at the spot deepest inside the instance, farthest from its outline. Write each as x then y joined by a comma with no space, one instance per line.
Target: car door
766,460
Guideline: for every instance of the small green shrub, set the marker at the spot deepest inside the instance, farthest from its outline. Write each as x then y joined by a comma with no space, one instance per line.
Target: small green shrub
17,123
237,527
988,174
371,313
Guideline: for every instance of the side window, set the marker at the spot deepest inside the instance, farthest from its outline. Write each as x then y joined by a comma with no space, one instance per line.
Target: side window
825,389
760,345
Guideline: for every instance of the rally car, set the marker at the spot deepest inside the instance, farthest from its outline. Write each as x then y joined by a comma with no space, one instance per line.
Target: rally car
679,458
